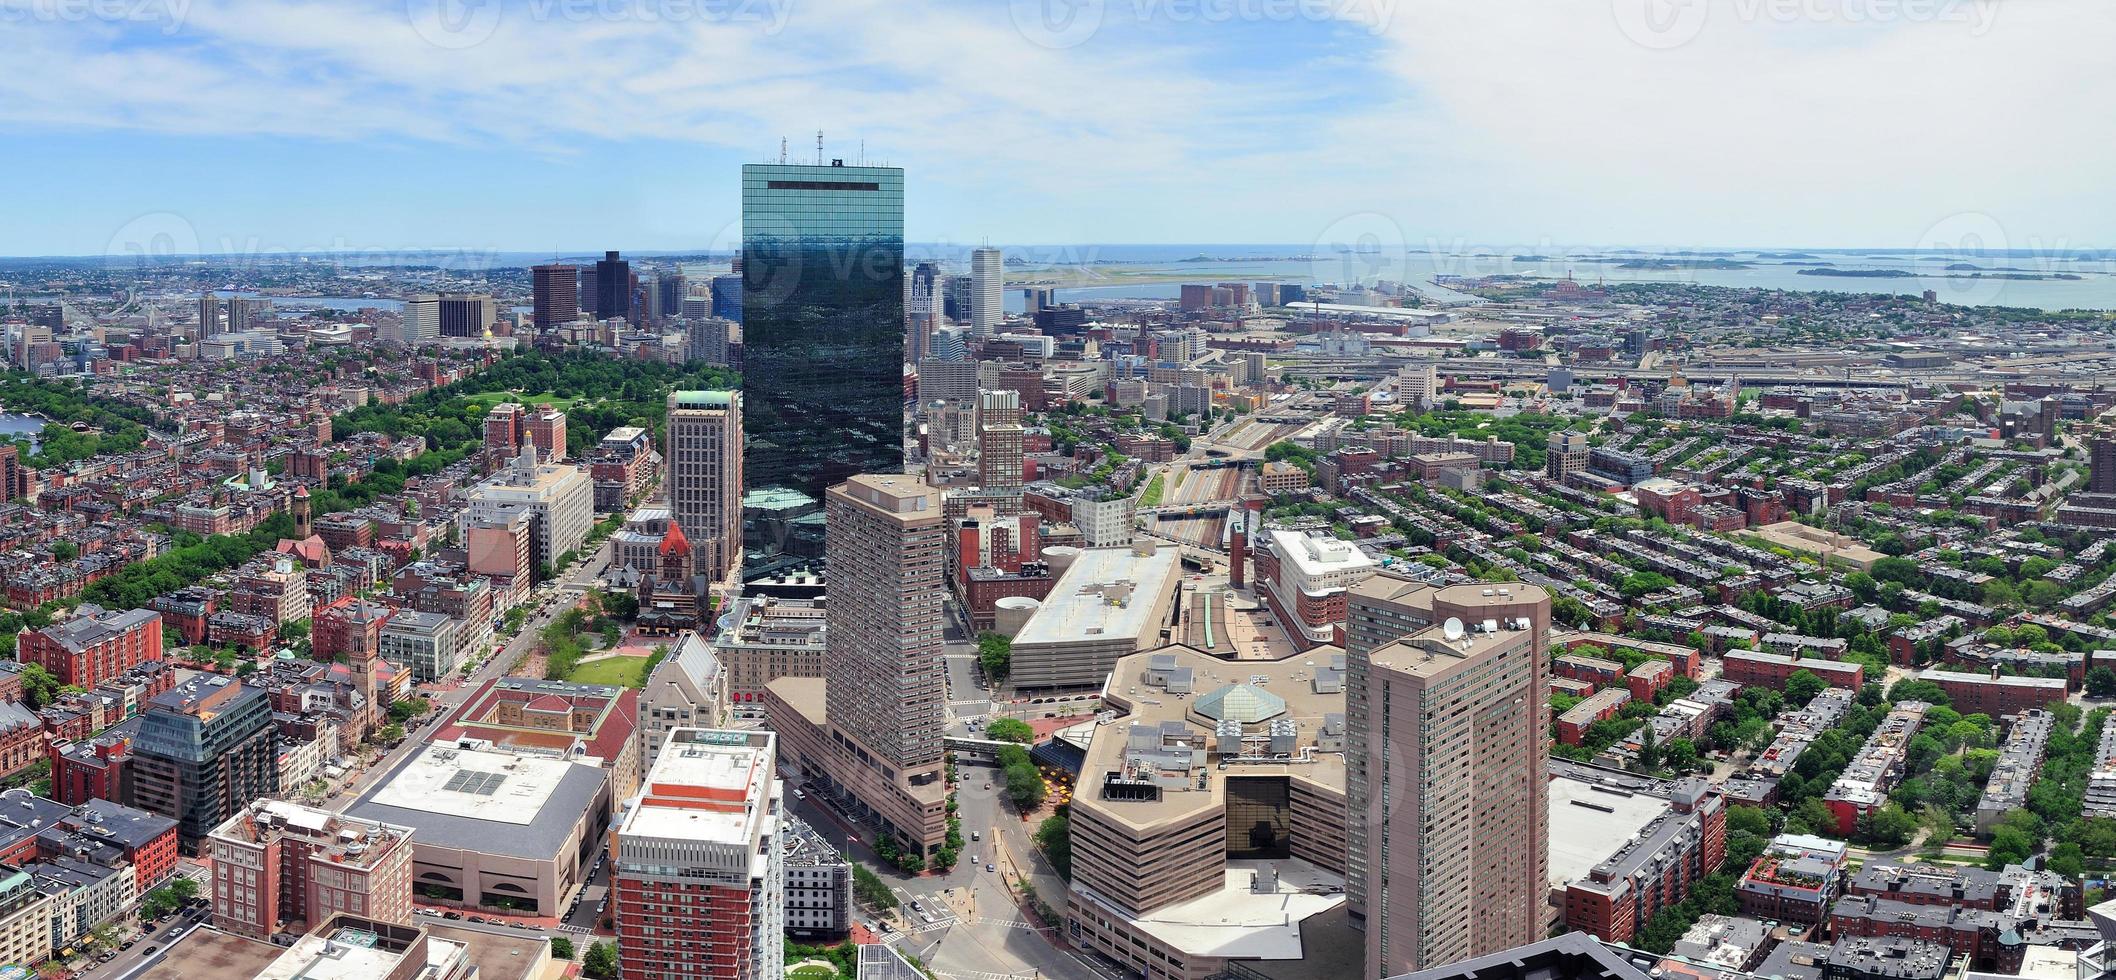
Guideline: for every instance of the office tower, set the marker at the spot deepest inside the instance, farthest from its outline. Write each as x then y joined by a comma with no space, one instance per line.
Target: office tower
1036,299
955,299
559,499
988,279
283,867
206,749
999,441
422,318
547,429
922,309
590,291
672,288
822,330
708,338
697,869
240,311
467,314
948,345
11,473
1566,455
506,428
727,297
885,538
1447,817
2101,456
554,294
705,461
613,287
208,315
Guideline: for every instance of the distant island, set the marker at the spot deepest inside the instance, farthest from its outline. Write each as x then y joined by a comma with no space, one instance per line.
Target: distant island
1903,274
1664,264
1785,255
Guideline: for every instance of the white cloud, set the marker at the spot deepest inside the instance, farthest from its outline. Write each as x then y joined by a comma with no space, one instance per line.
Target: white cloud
1506,122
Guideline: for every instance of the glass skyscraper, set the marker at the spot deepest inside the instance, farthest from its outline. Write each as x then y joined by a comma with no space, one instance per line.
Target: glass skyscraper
822,324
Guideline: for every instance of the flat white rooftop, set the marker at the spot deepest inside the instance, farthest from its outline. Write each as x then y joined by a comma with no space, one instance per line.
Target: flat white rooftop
1589,823
347,955
1316,557
1238,923
733,780
497,786
1106,594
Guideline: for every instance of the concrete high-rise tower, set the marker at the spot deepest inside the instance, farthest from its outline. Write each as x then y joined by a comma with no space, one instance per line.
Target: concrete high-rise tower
988,279
422,318
2101,458
554,294
208,315
886,539
704,482
1445,756
999,441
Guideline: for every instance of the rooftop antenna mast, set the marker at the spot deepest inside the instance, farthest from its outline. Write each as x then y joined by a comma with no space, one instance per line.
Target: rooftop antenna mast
782,149
819,147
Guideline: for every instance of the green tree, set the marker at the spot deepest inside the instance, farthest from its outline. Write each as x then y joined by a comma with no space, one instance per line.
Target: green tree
1802,687
601,962
562,947
1025,786
1748,819
1888,826
995,653
1054,835
1010,730
1648,750
2101,682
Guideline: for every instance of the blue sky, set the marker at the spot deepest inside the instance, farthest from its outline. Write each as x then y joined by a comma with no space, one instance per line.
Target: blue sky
265,125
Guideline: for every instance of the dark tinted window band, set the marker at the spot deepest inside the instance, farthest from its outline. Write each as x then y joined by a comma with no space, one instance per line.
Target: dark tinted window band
822,185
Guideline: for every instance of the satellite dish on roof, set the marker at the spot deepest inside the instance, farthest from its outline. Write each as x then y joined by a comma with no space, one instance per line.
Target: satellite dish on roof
1452,629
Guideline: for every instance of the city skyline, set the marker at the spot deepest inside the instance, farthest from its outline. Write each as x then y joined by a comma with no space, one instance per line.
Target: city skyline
1512,126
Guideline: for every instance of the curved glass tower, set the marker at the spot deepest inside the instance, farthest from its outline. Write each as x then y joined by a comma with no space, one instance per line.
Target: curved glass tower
822,324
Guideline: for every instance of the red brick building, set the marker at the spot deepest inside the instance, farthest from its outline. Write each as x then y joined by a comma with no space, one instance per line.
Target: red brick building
1997,695
1657,868
95,645
93,769
1647,679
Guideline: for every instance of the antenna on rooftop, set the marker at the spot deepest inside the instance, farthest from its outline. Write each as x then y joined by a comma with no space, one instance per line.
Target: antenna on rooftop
819,147
782,149
1452,629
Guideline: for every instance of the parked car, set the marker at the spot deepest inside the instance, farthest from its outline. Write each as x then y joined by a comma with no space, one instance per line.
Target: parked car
991,867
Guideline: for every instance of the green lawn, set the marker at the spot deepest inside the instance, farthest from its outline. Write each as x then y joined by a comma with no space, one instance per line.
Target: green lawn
812,971
616,671
491,398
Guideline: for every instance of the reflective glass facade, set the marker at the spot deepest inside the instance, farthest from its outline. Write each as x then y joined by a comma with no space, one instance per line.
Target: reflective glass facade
822,324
